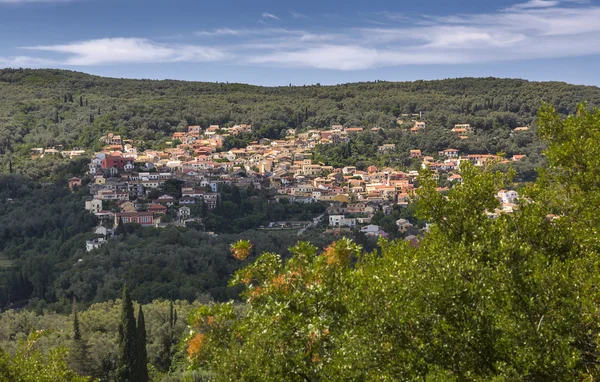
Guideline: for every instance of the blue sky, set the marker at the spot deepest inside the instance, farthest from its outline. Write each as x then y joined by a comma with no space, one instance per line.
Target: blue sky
277,42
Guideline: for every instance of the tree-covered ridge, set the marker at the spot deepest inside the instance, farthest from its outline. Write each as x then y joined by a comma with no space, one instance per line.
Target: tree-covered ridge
51,107
510,298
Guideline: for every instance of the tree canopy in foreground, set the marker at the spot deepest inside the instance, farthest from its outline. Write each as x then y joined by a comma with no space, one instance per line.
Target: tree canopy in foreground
510,298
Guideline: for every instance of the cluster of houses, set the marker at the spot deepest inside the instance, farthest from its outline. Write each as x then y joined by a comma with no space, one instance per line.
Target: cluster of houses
127,176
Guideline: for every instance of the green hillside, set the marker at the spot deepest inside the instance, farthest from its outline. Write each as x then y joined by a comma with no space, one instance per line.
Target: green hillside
44,108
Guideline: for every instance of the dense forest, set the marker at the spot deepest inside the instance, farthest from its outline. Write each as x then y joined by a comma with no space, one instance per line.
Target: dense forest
54,107
44,227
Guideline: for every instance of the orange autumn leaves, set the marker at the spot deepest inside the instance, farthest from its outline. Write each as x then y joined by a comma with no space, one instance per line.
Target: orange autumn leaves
307,278
195,344
241,249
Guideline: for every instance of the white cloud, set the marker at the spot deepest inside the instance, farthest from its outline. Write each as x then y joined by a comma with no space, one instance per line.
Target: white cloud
247,32
538,29
220,32
25,61
298,15
535,4
130,50
534,30
267,15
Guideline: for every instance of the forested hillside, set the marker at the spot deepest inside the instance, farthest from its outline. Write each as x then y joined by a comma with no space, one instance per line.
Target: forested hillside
53,107
479,299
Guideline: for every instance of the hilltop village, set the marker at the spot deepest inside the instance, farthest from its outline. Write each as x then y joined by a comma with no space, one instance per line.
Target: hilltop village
182,183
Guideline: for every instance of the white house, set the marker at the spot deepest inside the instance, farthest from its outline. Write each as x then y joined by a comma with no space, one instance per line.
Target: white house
184,213
94,205
90,245
371,229
101,230
341,221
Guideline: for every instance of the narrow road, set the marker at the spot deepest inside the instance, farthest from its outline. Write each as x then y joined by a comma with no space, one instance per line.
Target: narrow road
313,224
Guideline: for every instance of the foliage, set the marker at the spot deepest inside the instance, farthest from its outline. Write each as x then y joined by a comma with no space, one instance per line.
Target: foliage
141,373
241,249
510,298
34,112
127,362
99,331
30,365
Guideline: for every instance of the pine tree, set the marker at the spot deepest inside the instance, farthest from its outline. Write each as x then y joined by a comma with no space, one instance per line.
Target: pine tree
141,374
128,338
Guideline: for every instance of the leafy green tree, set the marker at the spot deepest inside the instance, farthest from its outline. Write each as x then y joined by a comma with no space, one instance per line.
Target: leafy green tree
29,364
512,297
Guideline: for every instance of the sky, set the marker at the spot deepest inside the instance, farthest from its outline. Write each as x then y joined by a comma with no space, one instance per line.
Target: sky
275,42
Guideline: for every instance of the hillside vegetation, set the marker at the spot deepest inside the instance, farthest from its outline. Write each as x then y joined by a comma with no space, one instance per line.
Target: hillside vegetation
480,299
45,108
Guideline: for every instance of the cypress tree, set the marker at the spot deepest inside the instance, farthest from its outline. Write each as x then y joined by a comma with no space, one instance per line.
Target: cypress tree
236,197
79,354
76,332
86,103
141,374
120,230
128,338
80,100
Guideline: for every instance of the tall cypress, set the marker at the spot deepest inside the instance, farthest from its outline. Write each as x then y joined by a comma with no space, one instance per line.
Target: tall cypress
79,354
171,309
128,338
141,374
76,332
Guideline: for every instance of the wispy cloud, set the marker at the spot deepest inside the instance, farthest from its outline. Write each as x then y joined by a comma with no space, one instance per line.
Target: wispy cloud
26,61
538,29
298,15
130,50
267,15
246,32
535,4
